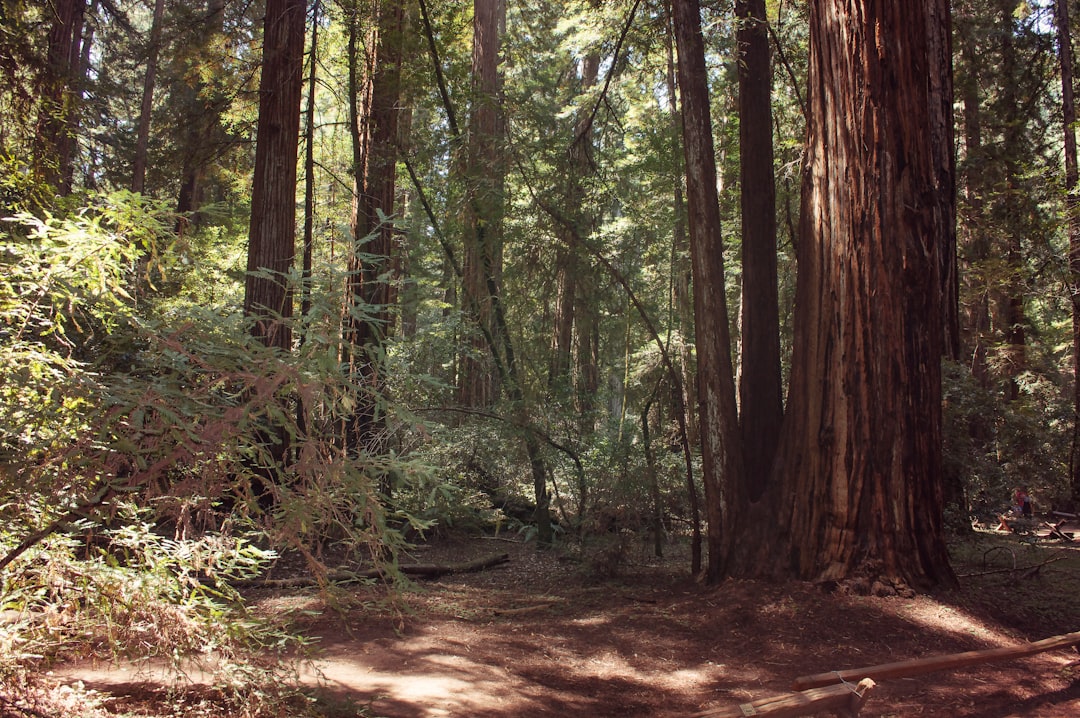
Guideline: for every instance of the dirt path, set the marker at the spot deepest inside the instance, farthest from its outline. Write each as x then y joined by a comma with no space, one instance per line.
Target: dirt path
533,637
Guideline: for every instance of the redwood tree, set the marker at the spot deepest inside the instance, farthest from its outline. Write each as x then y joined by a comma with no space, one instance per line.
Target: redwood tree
761,405
375,134
1072,205
272,232
484,171
54,146
721,454
860,457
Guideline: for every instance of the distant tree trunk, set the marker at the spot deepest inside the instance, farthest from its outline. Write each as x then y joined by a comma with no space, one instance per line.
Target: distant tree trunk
1009,311
309,167
54,145
272,232
1072,211
369,319
684,312
761,403
976,323
860,457
940,57
142,138
722,463
203,134
485,169
574,313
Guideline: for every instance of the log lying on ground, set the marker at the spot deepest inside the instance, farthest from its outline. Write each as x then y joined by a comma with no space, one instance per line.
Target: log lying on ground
426,570
919,666
844,699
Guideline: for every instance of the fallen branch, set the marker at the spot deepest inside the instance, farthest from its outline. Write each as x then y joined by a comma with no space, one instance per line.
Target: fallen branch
846,700
523,609
417,569
919,666
1034,567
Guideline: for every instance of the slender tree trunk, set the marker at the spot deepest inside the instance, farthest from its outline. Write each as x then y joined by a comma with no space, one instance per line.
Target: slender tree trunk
369,319
142,138
656,508
1072,210
761,403
309,168
485,169
684,310
722,463
977,327
861,455
1009,310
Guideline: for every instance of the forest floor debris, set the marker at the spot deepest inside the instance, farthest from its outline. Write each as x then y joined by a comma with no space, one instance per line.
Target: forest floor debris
537,636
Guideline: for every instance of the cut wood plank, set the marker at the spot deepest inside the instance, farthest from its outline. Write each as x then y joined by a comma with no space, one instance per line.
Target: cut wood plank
845,699
919,666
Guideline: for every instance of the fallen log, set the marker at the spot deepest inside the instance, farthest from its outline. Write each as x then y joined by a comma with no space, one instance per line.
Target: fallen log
426,570
919,666
845,699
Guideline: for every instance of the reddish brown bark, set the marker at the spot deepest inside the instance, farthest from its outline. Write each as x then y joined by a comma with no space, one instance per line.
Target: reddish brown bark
272,232
1072,206
479,383
370,319
720,440
861,452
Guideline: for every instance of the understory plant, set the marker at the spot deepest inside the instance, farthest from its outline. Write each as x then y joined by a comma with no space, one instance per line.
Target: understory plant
149,464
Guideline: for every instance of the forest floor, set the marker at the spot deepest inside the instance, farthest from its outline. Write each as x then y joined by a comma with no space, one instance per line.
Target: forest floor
543,635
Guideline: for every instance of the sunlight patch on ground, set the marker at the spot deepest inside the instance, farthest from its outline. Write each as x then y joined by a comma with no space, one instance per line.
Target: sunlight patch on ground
941,618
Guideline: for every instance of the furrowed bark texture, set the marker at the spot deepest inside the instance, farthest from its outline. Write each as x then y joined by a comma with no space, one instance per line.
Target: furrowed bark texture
861,452
272,233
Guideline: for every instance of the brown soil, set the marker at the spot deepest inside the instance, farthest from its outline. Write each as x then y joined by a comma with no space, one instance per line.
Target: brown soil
541,636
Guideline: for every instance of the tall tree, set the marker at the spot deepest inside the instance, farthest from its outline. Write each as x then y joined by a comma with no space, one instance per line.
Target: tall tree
272,231
1010,314
860,456
484,172
202,105
375,135
1072,212
722,462
761,404
142,140
54,147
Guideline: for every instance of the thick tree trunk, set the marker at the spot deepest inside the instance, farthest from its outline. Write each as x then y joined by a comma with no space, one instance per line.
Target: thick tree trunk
272,233
722,463
861,451
761,403
1072,206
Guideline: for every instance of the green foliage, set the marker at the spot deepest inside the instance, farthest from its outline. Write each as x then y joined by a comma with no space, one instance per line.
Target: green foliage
996,446
119,431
